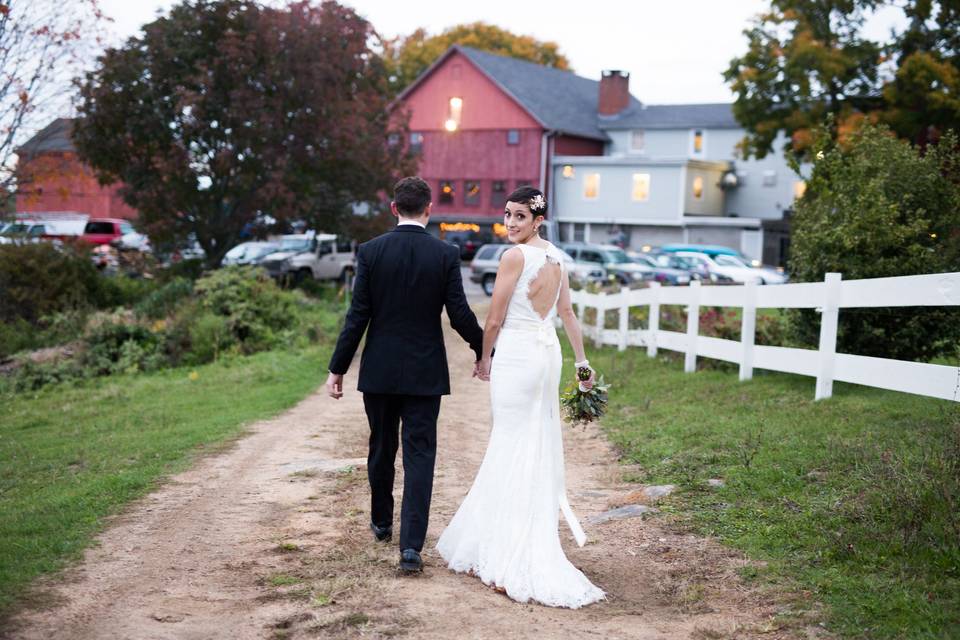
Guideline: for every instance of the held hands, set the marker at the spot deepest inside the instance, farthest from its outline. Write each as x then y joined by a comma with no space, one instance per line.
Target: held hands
335,385
481,369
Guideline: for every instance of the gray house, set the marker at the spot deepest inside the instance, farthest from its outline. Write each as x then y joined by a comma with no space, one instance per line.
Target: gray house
670,174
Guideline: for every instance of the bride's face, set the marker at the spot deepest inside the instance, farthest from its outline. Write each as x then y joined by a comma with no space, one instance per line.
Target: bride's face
520,223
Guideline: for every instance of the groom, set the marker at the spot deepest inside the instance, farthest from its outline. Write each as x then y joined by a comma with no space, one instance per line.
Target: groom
404,279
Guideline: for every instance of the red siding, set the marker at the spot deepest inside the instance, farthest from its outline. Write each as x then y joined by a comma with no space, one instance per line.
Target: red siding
570,146
478,150
60,182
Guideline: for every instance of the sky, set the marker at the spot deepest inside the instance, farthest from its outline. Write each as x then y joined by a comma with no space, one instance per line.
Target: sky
675,51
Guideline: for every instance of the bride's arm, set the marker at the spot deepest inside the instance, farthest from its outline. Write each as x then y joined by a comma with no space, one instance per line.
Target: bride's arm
570,323
508,273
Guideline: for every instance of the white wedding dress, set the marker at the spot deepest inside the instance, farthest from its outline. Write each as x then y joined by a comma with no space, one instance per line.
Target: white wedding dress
506,530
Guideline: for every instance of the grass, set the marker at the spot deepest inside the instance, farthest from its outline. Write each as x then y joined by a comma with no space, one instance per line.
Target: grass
74,453
854,501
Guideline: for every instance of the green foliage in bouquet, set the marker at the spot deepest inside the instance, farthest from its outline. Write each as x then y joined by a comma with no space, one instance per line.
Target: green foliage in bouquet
581,407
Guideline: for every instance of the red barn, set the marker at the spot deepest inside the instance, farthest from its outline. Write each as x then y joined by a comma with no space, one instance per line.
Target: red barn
485,124
52,179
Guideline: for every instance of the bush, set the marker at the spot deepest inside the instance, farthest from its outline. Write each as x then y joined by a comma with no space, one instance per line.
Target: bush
38,280
163,300
120,347
874,207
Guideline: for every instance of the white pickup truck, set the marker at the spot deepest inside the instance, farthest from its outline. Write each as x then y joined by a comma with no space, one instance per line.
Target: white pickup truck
319,256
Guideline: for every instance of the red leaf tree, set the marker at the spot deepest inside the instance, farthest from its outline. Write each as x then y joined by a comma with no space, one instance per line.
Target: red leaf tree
227,110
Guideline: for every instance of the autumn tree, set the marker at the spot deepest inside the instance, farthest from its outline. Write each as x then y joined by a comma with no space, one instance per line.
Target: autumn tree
410,56
226,110
43,44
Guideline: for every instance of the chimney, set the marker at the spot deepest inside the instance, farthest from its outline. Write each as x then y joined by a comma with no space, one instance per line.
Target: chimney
614,92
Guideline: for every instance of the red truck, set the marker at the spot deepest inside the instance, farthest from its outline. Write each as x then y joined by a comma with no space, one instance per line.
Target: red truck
104,230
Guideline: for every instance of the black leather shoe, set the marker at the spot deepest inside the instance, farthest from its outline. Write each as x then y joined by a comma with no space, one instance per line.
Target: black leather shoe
382,534
410,561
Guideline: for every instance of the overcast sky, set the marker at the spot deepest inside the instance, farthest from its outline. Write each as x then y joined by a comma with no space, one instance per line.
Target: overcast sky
675,51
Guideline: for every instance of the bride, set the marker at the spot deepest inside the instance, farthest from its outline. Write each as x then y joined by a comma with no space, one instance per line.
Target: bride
505,531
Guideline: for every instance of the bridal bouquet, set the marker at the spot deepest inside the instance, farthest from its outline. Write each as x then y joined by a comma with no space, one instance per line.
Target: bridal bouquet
582,405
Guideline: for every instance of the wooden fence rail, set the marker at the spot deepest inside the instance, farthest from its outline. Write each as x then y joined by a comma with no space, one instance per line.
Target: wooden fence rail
828,297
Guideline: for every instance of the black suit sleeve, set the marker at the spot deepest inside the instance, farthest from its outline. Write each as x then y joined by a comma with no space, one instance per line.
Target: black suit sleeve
358,317
461,316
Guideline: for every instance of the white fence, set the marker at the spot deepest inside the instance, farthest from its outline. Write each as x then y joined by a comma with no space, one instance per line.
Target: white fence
828,297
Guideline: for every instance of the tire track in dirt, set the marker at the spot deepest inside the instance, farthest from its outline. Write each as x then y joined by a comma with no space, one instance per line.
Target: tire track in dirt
269,539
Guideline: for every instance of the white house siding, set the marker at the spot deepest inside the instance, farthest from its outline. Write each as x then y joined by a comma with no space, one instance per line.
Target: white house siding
614,203
657,143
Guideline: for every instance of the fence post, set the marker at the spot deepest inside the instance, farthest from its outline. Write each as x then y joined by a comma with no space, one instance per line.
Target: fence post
748,330
624,317
581,297
601,318
828,335
693,327
653,319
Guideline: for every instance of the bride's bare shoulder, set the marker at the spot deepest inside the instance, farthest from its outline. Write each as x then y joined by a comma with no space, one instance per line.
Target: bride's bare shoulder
512,258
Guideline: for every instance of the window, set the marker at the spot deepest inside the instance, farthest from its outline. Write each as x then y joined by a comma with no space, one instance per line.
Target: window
126,227
486,253
453,114
636,141
344,245
498,191
471,193
697,143
513,136
641,187
594,257
591,186
799,188
416,142
98,227
447,192
568,171
770,178
698,187
579,232
393,139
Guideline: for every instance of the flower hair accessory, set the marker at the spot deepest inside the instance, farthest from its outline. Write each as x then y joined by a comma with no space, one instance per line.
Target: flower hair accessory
538,203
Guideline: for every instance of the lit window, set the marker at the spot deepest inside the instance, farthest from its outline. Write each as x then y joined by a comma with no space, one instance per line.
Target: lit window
453,114
698,187
447,192
799,188
698,142
641,187
636,140
770,178
568,172
471,192
513,136
591,186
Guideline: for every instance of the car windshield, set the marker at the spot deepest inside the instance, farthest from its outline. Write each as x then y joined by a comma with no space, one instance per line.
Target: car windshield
729,261
295,244
15,228
262,250
617,256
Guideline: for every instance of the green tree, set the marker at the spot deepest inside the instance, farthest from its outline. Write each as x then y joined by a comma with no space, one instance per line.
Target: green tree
410,56
805,59
227,109
878,207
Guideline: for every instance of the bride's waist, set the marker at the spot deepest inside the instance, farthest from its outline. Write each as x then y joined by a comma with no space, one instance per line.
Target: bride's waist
529,325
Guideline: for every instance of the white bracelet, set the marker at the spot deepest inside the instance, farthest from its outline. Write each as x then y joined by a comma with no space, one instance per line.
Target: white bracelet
584,363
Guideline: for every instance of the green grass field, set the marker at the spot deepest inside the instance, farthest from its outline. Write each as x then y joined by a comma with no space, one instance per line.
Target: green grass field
72,454
853,501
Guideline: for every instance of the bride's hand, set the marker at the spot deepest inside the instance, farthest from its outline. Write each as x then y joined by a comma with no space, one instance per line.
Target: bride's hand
483,369
589,382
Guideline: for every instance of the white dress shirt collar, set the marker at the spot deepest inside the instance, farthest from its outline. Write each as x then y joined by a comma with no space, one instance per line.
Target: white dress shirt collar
408,221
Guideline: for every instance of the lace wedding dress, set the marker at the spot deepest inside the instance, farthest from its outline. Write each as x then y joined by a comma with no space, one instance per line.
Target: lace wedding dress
506,530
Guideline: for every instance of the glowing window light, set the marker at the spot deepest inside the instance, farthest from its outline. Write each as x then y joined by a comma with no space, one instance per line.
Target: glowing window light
698,187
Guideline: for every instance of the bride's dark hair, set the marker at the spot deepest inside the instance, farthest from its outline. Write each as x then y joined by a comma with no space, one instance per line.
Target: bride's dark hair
530,197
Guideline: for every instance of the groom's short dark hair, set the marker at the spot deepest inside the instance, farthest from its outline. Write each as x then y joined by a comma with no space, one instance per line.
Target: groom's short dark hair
412,195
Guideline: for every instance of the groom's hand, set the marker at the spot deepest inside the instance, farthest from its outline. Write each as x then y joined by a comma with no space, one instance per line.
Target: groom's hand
335,385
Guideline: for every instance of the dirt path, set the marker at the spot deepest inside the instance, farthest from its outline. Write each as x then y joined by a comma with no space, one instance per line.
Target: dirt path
269,539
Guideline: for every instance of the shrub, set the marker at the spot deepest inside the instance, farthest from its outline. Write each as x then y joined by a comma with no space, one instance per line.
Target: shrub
163,300
875,207
120,347
39,279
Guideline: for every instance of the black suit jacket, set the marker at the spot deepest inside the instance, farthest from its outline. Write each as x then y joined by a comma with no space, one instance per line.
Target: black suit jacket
404,279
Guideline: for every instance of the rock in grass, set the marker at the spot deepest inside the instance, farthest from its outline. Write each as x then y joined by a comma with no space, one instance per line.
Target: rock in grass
622,513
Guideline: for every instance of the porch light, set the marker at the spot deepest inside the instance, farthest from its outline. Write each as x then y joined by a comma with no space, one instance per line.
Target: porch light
450,125
729,180
568,171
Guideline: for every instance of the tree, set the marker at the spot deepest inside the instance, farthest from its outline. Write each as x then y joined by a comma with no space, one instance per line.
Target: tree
875,207
805,59
226,110
408,57
43,43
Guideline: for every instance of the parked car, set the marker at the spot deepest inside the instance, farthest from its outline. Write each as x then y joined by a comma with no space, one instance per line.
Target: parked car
308,255
250,252
24,231
661,273
724,268
134,241
467,241
105,230
611,258
768,274
483,269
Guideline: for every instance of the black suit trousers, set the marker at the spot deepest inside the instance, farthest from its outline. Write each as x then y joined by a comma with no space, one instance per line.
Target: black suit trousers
418,414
